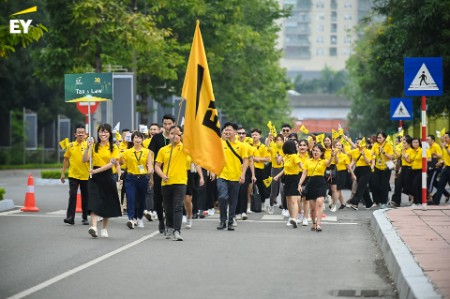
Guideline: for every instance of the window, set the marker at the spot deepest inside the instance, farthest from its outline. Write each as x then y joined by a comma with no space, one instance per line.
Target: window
333,28
320,27
320,4
333,39
320,16
320,52
333,16
319,39
348,5
333,51
347,17
348,39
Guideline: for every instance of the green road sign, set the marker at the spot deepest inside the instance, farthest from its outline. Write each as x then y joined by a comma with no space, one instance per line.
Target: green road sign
93,87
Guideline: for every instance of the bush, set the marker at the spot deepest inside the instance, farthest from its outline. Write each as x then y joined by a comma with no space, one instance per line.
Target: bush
51,174
2,191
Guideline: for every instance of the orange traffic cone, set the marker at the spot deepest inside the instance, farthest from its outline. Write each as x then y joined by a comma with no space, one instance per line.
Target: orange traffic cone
30,201
78,209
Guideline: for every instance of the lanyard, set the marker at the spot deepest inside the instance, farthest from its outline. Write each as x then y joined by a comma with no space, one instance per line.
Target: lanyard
140,156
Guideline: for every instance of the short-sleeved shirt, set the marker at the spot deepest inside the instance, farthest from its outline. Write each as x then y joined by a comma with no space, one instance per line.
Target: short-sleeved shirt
409,152
233,166
343,161
358,158
146,142
260,151
177,169
77,168
275,150
436,149
380,159
133,159
291,164
104,155
303,158
327,155
416,163
446,155
315,167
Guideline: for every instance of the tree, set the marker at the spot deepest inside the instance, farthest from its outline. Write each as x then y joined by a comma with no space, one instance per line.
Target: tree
411,28
329,81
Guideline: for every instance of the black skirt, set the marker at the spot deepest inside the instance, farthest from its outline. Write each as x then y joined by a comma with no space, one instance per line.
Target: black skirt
291,185
317,187
341,179
102,195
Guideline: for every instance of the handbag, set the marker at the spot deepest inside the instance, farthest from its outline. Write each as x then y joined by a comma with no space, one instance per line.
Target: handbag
256,200
390,165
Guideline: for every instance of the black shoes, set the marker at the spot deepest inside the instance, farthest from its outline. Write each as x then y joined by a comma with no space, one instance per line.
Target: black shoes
69,221
230,226
222,226
85,222
161,227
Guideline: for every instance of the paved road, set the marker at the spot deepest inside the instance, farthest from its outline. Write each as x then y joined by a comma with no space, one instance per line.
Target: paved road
41,257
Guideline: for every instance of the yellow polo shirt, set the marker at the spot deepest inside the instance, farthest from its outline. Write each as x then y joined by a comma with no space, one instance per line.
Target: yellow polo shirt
104,156
233,167
260,151
360,161
343,161
146,142
77,168
315,167
410,154
446,155
291,164
417,156
327,155
274,151
380,159
177,169
132,160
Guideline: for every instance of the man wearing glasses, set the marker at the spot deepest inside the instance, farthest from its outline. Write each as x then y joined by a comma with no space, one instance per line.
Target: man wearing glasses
286,130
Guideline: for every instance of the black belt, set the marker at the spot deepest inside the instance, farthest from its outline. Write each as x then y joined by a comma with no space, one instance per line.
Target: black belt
137,175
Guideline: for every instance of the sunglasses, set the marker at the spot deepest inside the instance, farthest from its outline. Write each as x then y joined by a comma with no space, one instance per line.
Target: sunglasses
241,133
286,130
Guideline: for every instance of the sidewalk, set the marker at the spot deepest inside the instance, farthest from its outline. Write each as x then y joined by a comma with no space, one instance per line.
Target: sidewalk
416,247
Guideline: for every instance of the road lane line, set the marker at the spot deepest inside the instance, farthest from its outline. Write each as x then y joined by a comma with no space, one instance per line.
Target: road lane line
55,279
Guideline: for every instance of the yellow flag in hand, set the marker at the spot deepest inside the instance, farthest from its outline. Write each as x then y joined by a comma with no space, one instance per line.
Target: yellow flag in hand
202,137
64,144
340,132
304,130
401,133
320,138
267,182
389,140
272,129
442,132
334,134
118,136
363,142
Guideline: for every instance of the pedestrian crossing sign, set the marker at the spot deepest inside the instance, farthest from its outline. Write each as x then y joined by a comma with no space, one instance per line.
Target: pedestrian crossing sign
423,76
401,109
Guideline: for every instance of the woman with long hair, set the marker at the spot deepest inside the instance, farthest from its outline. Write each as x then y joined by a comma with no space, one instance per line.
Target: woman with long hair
343,168
103,197
416,170
276,154
303,205
316,188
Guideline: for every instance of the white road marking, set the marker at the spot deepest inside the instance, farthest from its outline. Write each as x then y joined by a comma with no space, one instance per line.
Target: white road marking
64,275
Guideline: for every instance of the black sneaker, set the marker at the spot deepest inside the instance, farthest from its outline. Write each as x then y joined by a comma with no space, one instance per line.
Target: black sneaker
85,222
161,227
148,216
222,226
342,207
69,221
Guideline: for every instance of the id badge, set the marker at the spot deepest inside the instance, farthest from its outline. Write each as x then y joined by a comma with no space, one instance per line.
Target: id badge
141,169
379,162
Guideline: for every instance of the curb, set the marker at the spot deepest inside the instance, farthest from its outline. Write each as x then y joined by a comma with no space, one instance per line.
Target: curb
6,204
409,278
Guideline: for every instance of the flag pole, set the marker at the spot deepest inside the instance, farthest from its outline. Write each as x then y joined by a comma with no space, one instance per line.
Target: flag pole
176,123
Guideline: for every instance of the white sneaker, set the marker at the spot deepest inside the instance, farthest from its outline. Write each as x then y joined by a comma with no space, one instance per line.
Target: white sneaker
130,224
140,223
285,213
211,212
249,211
93,231
244,216
270,210
305,221
100,218
333,208
189,224
239,217
184,220
154,215
289,223
293,222
299,217
234,222
104,233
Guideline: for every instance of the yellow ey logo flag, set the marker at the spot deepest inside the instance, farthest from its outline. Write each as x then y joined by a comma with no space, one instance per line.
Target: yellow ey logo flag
304,130
64,144
320,138
201,122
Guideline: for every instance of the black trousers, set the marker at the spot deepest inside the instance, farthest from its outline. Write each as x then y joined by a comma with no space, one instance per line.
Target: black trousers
363,174
380,185
444,179
158,198
260,176
241,206
173,204
73,190
399,183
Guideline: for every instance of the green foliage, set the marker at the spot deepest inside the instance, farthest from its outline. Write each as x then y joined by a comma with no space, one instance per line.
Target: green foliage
330,81
411,28
2,192
31,166
51,174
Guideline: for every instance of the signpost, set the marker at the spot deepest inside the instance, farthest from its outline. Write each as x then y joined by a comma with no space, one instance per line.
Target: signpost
423,77
401,109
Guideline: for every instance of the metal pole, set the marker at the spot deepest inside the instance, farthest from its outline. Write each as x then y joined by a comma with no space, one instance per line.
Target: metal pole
89,130
424,155
400,125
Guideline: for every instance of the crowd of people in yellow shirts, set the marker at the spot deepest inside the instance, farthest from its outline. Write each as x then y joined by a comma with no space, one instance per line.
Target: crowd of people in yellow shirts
159,181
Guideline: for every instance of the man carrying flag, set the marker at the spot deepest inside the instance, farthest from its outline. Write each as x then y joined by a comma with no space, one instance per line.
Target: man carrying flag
202,128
